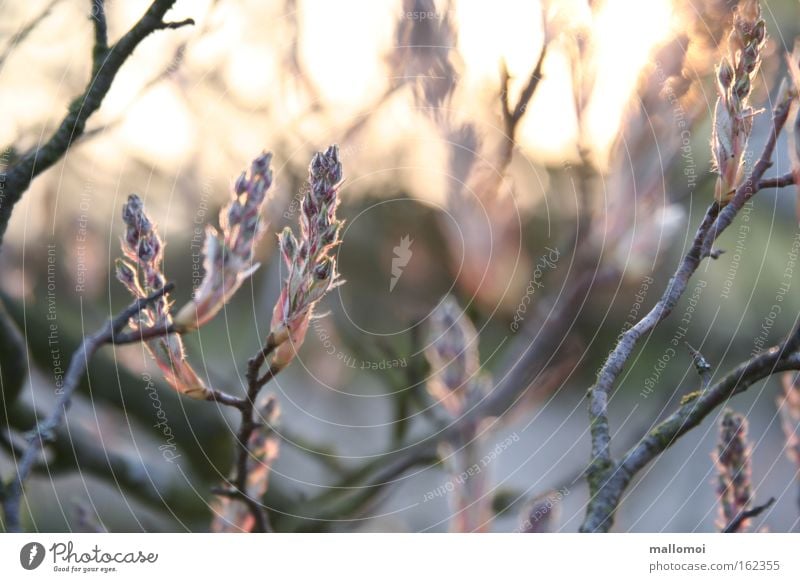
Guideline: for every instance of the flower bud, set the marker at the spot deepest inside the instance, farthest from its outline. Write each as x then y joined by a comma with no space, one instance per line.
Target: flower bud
759,32
288,246
323,269
126,274
240,187
725,74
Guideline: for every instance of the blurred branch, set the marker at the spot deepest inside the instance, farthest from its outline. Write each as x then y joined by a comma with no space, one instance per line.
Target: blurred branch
77,366
25,31
528,357
355,493
195,426
512,117
737,522
106,63
603,477
75,448
85,522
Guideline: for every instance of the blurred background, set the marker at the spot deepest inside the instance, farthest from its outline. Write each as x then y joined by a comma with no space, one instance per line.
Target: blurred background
587,199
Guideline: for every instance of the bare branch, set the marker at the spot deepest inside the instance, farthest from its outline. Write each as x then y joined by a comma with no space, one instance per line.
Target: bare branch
612,484
13,366
616,361
510,117
603,472
100,31
174,25
73,447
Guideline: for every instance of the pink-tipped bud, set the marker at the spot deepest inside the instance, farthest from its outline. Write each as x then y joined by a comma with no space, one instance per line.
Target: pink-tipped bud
126,274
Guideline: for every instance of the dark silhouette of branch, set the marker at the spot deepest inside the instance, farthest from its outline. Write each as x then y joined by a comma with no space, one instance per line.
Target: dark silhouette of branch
737,522
77,367
603,473
513,115
106,63
184,415
12,363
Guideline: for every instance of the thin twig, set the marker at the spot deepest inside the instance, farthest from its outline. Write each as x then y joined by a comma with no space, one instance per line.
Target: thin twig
776,182
616,361
247,405
749,187
737,521
74,447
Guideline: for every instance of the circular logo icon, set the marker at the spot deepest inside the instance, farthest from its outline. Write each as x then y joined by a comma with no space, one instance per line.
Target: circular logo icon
31,555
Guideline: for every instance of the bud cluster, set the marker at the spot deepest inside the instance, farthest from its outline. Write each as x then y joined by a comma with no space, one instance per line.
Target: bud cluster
228,255
143,248
312,269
